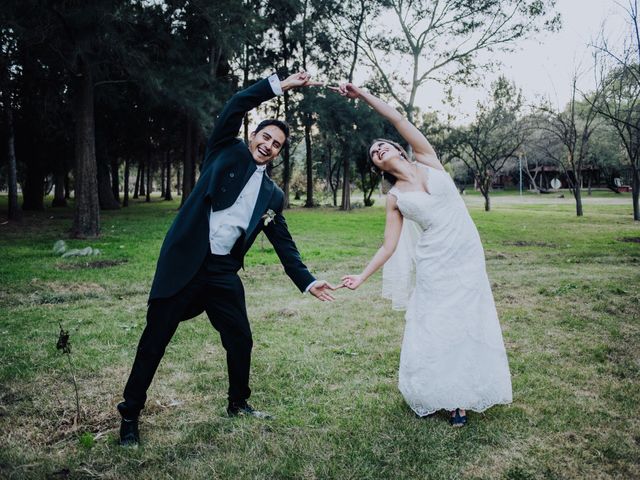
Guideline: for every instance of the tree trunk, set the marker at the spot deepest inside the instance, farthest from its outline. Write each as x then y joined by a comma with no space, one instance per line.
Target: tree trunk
487,201
485,185
58,190
532,185
33,187
67,186
143,173
286,157
115,179
187,170
367,192
149,174
635,193
346,185
335,190
307,140
178,180
15,212
163,167
105,194
245,84
195,154
167,188
125,199
577,193
86,221
327,180
356,40
136,188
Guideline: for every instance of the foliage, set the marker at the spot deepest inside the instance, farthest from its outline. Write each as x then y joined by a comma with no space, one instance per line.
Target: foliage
618,73
568,135
440,41
495,136
160,72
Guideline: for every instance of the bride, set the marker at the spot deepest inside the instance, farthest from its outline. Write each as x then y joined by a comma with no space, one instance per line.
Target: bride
452,356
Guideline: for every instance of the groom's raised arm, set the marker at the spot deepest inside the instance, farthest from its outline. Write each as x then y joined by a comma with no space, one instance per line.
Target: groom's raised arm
229,121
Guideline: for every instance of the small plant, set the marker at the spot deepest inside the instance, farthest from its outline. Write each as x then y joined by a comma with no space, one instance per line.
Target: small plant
87,440
64,345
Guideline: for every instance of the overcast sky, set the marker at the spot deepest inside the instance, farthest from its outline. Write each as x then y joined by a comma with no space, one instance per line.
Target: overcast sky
543,66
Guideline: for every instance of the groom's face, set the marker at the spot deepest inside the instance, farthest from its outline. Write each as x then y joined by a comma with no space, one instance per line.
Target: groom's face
266,144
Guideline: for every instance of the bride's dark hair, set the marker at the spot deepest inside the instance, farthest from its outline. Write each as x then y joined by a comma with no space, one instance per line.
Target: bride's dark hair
386,175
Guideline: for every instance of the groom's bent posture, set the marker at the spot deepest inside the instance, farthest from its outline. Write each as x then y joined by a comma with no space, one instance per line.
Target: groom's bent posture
231,203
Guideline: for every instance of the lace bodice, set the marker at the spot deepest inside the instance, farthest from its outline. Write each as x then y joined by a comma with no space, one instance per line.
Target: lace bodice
435,207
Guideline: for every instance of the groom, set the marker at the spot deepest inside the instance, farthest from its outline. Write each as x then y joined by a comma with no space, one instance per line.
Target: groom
231,203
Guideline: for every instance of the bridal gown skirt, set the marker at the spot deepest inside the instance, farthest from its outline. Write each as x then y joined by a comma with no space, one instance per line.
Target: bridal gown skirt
453,354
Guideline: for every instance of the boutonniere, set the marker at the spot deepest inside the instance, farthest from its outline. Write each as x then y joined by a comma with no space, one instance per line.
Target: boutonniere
268,217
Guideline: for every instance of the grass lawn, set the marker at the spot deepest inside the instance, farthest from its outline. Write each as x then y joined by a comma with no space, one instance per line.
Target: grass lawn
567,290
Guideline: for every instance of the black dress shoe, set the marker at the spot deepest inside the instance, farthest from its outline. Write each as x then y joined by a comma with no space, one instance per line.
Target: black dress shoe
245,410
129,435
457,420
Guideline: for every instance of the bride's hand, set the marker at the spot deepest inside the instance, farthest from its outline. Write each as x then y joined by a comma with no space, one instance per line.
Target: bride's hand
352,281
348,90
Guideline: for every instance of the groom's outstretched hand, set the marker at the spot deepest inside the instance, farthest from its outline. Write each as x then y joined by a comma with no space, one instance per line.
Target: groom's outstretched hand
321,290
300,79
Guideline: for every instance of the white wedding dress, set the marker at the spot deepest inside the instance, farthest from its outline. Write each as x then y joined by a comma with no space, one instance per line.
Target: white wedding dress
452,354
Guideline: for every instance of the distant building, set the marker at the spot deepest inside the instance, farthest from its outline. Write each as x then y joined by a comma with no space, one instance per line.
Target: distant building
591,177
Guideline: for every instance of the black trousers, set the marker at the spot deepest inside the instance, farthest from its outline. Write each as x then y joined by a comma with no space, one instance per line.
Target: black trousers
216,289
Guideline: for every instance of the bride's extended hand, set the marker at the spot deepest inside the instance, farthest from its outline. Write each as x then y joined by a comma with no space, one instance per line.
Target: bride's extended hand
348,90
352,281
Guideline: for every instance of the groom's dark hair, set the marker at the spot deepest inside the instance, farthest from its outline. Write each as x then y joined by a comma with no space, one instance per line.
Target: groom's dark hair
277,123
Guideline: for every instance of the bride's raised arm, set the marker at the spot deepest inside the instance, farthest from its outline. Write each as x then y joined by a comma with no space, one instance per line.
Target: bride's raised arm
422,149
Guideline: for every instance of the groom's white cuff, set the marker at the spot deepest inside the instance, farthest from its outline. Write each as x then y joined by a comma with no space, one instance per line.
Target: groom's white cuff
306,290
274,81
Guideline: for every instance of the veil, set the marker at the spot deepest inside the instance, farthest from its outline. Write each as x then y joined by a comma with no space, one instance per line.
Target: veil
399,272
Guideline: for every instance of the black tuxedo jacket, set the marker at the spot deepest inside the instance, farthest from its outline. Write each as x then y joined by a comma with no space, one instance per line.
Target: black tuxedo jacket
227,167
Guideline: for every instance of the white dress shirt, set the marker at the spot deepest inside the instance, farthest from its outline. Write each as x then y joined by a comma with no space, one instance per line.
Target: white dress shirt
226,226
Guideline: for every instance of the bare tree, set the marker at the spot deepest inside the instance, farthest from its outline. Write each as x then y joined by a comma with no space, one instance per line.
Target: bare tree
439,41
572,129
527,170
618,78
496,135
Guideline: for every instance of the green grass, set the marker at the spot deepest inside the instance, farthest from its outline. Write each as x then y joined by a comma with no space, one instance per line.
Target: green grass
567,291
